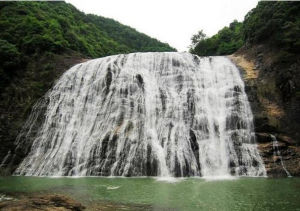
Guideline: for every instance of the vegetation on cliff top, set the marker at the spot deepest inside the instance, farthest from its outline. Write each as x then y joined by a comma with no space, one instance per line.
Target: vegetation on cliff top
273,23
56,26
225,42
28,29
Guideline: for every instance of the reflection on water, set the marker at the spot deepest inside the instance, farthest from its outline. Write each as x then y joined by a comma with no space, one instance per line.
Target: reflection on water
165,194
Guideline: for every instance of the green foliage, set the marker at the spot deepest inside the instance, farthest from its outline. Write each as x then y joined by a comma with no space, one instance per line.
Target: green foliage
276,24
226,41
36,27
9,55
198,37
10,59
128,36
30,30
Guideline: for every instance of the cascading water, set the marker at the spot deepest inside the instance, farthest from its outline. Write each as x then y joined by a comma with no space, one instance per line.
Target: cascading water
144,114
276,153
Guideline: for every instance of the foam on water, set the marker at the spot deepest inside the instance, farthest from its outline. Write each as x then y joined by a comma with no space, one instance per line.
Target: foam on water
169,179
215,178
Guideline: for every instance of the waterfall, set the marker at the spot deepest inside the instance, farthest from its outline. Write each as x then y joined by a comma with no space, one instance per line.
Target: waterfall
144,114
276,152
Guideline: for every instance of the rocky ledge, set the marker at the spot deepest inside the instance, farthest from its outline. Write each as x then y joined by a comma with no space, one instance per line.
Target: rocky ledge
281,158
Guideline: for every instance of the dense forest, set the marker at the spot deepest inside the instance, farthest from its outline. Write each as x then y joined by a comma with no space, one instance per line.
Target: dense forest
273,23
29,29
40,40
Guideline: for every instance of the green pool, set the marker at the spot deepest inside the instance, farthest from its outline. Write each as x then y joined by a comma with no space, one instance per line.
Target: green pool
181,194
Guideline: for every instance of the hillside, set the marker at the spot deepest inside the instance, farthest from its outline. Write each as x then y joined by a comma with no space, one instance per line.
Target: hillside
275,24
39,41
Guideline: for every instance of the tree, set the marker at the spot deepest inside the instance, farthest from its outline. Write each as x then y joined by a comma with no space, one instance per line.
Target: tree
196,38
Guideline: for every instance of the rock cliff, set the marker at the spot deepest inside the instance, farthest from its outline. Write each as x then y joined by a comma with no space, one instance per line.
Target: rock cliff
272,87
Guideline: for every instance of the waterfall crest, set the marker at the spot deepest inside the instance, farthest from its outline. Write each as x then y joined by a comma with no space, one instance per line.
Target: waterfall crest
145,114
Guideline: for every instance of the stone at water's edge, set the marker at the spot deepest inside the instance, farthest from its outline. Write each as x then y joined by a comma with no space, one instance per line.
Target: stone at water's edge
42,202
153,114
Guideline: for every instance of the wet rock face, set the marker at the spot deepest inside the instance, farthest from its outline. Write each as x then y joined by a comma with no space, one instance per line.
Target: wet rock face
263,137
289,157
271,93
262,125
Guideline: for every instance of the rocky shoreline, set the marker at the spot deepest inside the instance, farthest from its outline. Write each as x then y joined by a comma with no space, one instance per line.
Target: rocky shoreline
39,202
59,202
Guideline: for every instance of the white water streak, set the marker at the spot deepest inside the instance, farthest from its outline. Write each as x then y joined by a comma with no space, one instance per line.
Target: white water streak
276,152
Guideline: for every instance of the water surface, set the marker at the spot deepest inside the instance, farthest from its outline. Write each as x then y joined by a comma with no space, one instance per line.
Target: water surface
182,194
